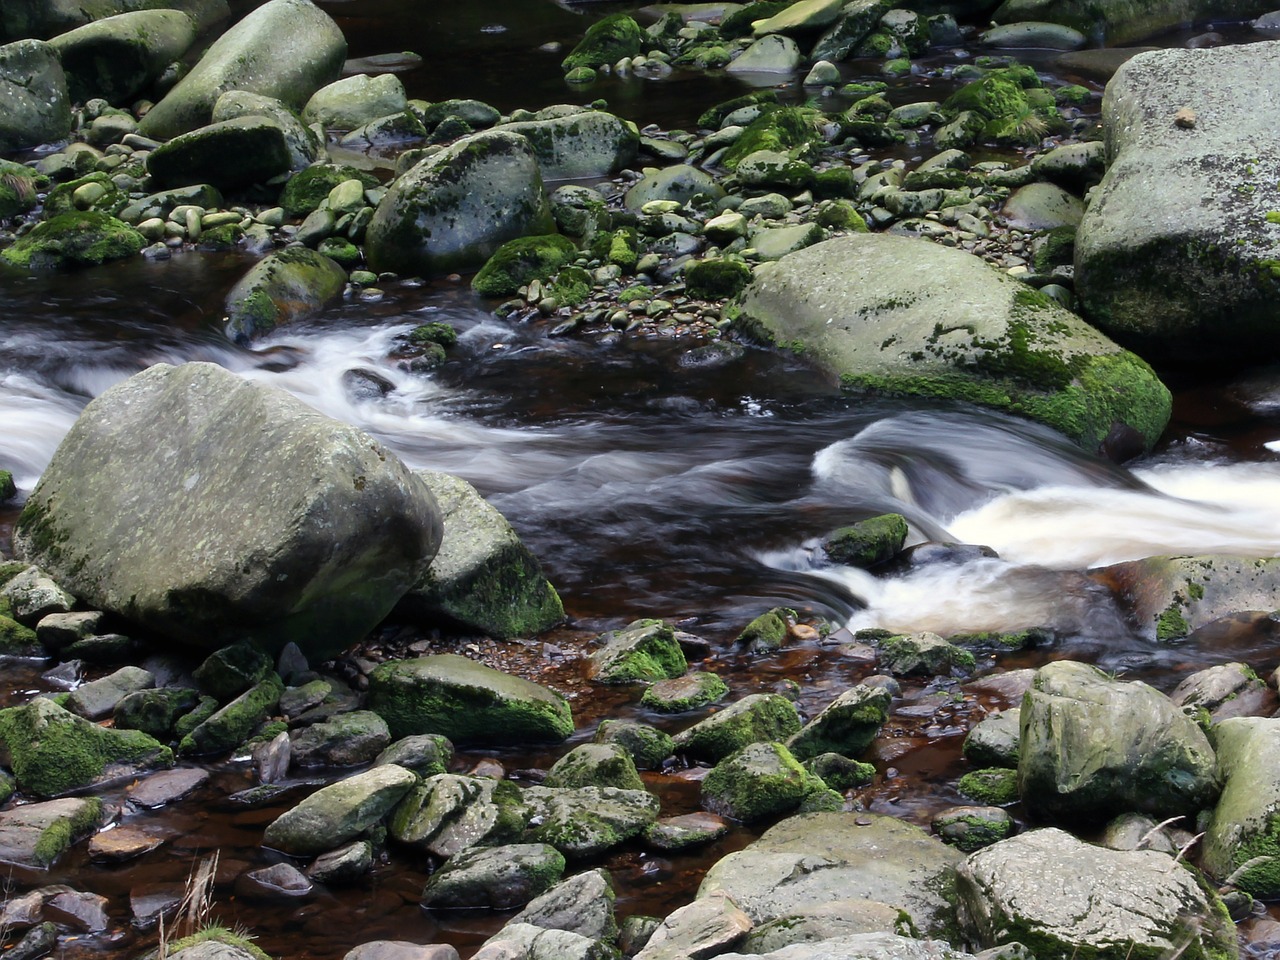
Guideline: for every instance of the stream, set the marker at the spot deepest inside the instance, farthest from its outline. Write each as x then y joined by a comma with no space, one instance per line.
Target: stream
653,477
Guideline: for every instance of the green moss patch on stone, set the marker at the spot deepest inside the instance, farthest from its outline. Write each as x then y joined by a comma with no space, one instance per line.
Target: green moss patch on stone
519,261
991,786
789,130
231,726
308,188
80,239
716,279
605,43
868,542
645,650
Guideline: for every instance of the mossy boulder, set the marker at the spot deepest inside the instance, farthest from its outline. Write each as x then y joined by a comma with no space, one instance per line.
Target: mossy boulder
94,191
229,672
846,726
354,101
595,765
606,42
497,878
760,780
857,20
1244,827
586,822
518,261
923,653
590,143
281,288
868,542
309,188
347,740
454,209
913,318
465,701
34,105
36,835
303,144
648,746
53,752
1012,114
679,182
972,828
118,57
791,131
757,718
644,650
229,154
447,814
18,641
233,724
994,741
18,194
1091,745
582,904
689,692
286,49
155,712
840,772
340,812
991,786
483,577
767,632
85,238
717,279
1121,23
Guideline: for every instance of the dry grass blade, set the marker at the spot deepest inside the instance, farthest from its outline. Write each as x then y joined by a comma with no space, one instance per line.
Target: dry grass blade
195,909
1244,868
1147,837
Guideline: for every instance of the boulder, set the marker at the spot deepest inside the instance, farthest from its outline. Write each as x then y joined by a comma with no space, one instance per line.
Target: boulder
704,928
1033,34
318,566
771,54
856,20
994,741
84,238
1042,206
680,182
230,726
53,752
229,672
686,830
465,701
281,288
595,765
592,143
48,18
34,105
585,822
339,812
118,57
229,154
648,746
495,877
353,101
581,904
36,835
528,942
869,946
1170,597
885,314
447,814
760,780
1091,745
756,718
453,209
1118,23
867,543
286,49
693,690
606,42
154,712
304,146
819,858
846,726
347,740
97,698
1179,250
972,828
803,17
1240,841
31,595
1073,899
644,650
425,754
519,261
922,653
482,578
1222,691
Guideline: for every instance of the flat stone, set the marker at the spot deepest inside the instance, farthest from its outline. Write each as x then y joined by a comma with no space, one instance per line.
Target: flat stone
38,834
123,842
167,786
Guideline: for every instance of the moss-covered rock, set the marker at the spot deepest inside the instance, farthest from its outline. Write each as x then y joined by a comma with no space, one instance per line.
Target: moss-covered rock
644,650
117,57
232,725
17,640
281,288
846,726
923,653
840,772
689,692
34,105
588,821
497,878
606,42
758,781
990,786
447,814
346,740
426,754
81,239
595,765
94,191
648,746
585,143
307,189
972,828
713,118
229,154
518,261
53,752
230,671
339,812
1244,828
756,718
792,131
353,101
868,542
17,189
994,741
36,835
155,712
465,701
767,632
716,279
1012,117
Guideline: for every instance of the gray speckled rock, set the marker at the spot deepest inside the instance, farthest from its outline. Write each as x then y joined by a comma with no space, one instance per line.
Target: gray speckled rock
587,144
327,532
353,101
48,18
771,54
34,105
495,877
117,57
447,814
1071,898
586,821
285,49
339,812
281,288
860,946
38,834
895,315
581,904
1244,823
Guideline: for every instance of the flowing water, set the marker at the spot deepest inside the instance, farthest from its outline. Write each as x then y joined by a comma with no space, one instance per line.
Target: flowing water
652,477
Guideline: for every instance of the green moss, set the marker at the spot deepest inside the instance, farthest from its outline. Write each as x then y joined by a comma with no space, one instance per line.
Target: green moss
1055,248
716,279
8,489
992,786
217,934
840,772
577,769
231,726
308,188
738,22
205,708
434,332
606,42
519,261
1171,624
790,130
707,688
868,542
648,746
978,832
572,286
758,718
713,117
17,640
79,239
64,831
758,781
766,632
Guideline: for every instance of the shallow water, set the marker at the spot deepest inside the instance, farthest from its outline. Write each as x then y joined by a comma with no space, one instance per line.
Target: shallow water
651,480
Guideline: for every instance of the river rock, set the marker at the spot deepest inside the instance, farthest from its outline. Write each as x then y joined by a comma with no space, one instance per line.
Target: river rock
453,209
758,781
643,650
304,146
34,104
48,18
867,543
347,740
971,828
495,877
756,718
855,21
1114,23
606,42
1033,34
281,288
447,814
38,834
32,596
524,941
595,765
330,559
648,746
915,318
1170,597
1243,827
1042,206
339,812
154,712
680,694
97,698
869,946
581,904
590,143
587,821
229,154
679,182
118,57
1091,745
847,725
465,701
704,928
819,858
425,754
771,54
1178,252
805,16
1222,691
994,741
353,101
1071,899
286,49
482,578
227,728
53,752
85,238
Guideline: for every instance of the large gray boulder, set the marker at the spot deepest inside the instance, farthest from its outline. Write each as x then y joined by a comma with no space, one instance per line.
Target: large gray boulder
34,105
1170,597
454,209
339,812
585,822
847,725
581,904
482,578
590,143
819,858
498,878
286,49
47,18
885,314
118,57
1179,252
1121,22
354,101
1091,746
261,519
281,288
1073,899
1245,825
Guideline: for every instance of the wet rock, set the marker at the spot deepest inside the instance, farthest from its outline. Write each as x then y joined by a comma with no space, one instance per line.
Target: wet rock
581,904
1042,206
229,154
1240,841
523,941
329,572
585,822
760,780
302,143
1069,897
53,751
606,42
447,814
154,712
59,630
972,828
833,921
230,671
1091,745
643,650
425,754
123,842
466,702
1073,165
648,746
595,765
756,718
1222,691
284,287
167,787
308,189
839,772
704,928
767,632
923,653
347,740
34,105
39,941
694,690
590,143
994,741
820,858
280,882
482,578
1033,34
340,812
679,182
1134,831
38,834
230,726
686,830
453,209
286,49
97,698
401,950
118,57
846,726
519,261
80,911
771,54
344,865
498,878
993,786
868,542
353,101
69,241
